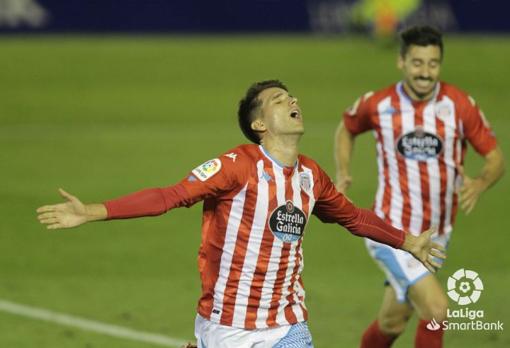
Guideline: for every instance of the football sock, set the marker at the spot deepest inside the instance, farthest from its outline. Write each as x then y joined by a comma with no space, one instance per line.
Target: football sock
426,338
373,337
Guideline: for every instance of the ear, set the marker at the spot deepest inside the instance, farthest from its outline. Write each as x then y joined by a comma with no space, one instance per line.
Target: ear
400,62
258,125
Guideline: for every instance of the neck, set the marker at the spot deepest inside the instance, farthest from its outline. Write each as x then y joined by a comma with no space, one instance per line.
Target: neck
284,149
416,96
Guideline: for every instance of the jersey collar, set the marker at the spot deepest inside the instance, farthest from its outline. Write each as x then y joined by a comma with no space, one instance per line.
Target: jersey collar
402,92
275,161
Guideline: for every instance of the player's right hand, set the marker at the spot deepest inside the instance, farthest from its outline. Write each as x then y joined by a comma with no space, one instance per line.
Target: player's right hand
64,215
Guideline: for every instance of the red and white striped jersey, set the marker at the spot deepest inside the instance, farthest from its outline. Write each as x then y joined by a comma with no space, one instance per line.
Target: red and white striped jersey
250,258
419,145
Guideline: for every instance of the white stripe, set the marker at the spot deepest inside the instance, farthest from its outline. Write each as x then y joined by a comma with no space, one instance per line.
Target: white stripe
234,220
311,200
450,126
280,318
274,260
88,325
429,125
311,204
386,122
412,169
252,249
381,179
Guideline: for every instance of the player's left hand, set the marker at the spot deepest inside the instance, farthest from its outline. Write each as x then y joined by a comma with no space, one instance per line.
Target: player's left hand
424,249
470,191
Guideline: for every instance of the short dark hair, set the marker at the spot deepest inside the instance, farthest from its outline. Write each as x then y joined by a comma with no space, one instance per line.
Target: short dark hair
249,104
420,36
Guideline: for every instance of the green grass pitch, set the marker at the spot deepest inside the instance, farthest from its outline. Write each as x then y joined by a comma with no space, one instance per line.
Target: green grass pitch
104,116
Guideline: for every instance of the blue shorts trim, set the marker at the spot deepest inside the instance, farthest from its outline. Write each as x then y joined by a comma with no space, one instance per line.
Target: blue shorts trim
298,337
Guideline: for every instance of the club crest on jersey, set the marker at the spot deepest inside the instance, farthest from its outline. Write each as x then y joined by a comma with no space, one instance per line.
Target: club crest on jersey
419,145
207,169
305,182
287,222
443,111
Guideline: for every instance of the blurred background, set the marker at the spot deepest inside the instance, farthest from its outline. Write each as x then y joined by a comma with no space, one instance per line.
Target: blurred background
107,97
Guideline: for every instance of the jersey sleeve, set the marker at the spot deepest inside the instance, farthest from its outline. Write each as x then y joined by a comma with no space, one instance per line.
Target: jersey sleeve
333,207
477,129
213,178
357,118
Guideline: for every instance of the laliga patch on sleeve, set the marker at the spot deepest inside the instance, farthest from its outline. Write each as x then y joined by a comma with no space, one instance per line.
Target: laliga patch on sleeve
207,169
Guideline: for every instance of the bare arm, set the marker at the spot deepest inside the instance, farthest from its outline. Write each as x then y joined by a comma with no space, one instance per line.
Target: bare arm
344,143
492,171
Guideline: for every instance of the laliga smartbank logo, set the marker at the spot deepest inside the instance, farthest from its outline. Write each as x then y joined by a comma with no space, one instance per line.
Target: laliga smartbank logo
465,288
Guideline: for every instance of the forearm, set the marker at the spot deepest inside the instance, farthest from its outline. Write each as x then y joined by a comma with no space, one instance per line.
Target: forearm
344,143
493,168
367,224
95,212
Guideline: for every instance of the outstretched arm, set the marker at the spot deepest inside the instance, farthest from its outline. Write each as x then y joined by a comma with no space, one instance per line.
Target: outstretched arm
210,179
72,213
333,207
148,202
365,223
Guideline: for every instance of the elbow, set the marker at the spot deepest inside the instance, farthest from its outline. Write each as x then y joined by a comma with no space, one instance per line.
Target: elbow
500,160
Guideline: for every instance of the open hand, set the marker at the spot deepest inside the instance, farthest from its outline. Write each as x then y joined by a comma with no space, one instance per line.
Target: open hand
64,215
424,249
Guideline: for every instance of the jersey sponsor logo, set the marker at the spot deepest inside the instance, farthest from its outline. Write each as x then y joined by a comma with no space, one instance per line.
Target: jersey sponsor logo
287,222
419,145
207,169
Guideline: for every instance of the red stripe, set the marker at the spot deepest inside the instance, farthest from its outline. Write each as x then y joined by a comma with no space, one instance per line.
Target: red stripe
305,201
424,175
386,200
264,256
458,160
440,131
289,313
239,256
282,268
211,249
401,164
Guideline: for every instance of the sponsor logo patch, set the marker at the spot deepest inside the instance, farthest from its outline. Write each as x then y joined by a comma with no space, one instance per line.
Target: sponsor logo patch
287,222
419,145
207,169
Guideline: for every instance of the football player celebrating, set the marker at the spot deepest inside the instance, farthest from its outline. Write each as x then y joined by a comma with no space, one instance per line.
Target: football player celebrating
257,199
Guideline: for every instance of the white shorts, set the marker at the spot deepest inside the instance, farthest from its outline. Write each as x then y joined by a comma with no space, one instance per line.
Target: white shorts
212,335
401,268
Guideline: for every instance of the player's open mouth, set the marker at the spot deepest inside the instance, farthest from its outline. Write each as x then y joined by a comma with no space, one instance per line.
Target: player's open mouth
295,114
